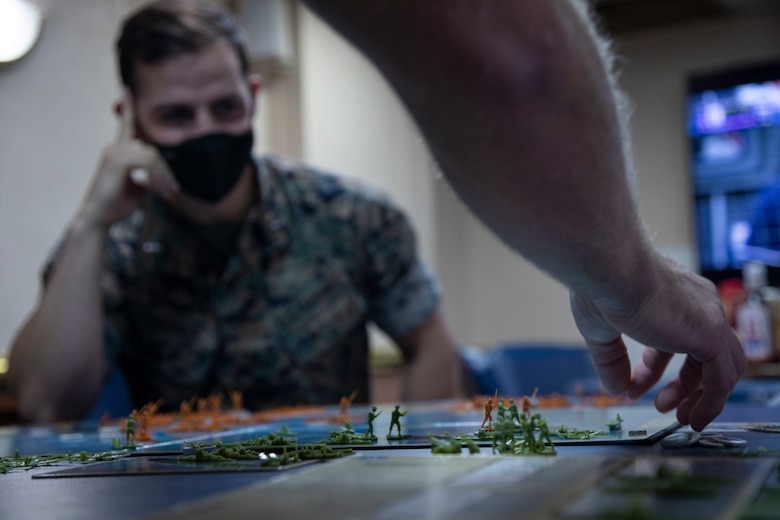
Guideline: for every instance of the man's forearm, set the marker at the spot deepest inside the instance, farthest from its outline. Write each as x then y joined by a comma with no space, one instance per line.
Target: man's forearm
430,376
433,369
57,360
517,104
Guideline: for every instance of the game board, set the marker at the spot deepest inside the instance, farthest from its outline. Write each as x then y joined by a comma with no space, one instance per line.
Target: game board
641,424
464,487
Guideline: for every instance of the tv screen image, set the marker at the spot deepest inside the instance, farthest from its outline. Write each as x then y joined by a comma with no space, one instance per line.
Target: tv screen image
733,120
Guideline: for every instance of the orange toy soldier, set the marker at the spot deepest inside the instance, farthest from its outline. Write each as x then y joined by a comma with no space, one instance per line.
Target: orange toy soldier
344,403
141,420
489,415
526,406
237,400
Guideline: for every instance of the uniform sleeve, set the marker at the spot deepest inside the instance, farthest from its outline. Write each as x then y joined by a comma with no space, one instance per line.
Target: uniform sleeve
402,291
113,299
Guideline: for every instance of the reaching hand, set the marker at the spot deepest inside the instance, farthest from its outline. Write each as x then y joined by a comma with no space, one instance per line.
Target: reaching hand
127,169
681,315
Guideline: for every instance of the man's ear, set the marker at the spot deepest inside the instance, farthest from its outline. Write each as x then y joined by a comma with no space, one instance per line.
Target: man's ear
255,84
120,106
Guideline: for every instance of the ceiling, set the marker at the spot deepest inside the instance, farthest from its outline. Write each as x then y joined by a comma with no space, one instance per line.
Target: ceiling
621,17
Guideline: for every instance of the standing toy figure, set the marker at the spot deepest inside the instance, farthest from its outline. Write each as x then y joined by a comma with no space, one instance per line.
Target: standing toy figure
140,423
488,416
544,439
526,407
513,412
130,429
344,403
236,400
394,420
373,414
501,415
616,425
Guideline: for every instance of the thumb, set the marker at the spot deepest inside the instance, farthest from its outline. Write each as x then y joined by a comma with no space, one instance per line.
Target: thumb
612,364
605,343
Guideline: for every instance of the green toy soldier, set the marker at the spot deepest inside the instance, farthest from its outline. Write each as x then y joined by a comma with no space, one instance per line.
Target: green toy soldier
544,435
130,429
394,420
373,414
514,414
501,414
615,425
448,446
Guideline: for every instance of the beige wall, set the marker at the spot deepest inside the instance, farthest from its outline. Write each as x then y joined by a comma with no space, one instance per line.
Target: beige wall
55,116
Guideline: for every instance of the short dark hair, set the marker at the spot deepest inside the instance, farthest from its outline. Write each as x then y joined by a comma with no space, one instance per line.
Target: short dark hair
169,28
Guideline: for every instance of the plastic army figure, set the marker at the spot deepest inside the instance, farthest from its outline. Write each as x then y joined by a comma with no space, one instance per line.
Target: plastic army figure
544,435
503,436
488,416
452,446
236,401
501,414
344,404
140,423
615,425
130,429
395,420
472,446
526,406
373,414
513,412
448,446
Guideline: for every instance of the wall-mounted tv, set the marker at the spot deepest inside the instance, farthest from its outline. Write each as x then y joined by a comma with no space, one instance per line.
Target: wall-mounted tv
733,119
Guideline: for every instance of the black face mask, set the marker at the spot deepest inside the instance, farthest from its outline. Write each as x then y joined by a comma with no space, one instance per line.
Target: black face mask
209,167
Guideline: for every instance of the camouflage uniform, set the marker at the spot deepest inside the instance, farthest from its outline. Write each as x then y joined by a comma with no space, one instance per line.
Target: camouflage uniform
283,319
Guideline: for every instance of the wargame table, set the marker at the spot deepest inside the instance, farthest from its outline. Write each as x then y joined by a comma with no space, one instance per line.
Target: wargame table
606,472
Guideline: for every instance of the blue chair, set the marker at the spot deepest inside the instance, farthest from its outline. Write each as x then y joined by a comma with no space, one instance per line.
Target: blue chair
115,398
478,376
519,369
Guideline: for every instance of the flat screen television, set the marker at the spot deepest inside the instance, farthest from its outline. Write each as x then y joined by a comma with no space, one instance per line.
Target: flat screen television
733,121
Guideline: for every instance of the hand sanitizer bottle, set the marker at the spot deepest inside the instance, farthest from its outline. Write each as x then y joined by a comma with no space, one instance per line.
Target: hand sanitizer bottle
754,324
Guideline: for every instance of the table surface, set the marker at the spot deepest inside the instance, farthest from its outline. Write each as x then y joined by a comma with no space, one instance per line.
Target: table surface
146,495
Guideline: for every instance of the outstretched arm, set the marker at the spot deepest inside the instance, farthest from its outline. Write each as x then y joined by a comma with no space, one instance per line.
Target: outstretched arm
518,104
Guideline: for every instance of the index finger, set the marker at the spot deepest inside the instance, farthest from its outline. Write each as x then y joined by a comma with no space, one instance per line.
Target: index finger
126,119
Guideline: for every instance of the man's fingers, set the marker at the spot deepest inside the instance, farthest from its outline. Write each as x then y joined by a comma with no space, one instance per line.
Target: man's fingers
147,168
649,372
140,176
168,182
688,382
605,343
126,119
700,392
685,407
721,374
612,364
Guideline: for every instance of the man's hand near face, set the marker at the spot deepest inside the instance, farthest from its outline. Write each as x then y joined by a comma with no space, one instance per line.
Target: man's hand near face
128,169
